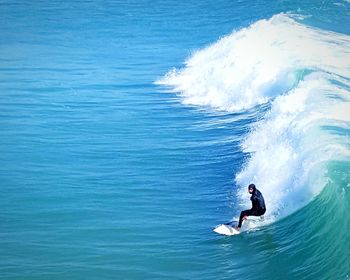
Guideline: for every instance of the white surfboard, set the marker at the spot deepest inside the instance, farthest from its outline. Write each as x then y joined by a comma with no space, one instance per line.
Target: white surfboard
228,228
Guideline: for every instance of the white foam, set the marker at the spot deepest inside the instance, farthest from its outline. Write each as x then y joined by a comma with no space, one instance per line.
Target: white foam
250,66
292,145
269,61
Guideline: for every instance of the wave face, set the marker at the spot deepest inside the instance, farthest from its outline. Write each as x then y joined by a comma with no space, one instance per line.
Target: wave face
303,74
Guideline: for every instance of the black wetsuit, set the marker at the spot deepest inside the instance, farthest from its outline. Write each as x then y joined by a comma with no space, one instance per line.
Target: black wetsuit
258,206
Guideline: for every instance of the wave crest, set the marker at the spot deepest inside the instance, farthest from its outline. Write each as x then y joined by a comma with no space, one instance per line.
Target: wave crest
255,64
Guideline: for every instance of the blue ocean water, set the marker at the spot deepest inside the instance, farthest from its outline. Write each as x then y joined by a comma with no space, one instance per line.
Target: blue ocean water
129,129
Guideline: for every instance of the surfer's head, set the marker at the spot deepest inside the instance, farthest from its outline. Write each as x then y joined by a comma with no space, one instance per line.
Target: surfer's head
251,188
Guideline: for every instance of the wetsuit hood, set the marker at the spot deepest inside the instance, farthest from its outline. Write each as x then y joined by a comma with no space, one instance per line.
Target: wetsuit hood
252,186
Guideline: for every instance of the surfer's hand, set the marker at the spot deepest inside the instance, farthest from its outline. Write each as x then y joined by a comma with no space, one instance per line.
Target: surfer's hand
245,217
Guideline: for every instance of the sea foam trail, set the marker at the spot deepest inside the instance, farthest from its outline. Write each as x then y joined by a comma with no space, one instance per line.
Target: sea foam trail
304,72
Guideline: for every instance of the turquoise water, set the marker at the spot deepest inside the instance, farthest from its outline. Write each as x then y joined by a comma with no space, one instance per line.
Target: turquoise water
129,129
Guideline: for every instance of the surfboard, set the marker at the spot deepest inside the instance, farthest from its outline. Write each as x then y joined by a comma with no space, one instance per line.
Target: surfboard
228,228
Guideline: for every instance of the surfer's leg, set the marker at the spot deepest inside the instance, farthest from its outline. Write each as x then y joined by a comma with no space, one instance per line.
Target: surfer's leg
258,212
243,214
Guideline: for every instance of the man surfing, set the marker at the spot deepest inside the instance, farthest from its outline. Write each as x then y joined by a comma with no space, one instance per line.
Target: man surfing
258,206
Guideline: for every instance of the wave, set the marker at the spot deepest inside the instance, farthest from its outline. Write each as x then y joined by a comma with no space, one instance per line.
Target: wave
303,72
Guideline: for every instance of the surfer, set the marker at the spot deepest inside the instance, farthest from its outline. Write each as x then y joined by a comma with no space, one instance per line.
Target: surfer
258,205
